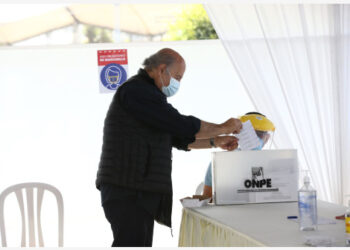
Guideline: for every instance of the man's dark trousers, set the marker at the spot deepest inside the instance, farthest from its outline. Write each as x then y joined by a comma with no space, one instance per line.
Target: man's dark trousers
131,224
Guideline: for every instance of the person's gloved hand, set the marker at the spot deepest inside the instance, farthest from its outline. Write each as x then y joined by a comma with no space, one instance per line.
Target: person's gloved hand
226,142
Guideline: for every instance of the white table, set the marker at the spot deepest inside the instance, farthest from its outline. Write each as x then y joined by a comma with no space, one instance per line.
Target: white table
255,225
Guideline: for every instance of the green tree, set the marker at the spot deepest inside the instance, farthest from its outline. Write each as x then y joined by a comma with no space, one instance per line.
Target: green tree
97,34
192,23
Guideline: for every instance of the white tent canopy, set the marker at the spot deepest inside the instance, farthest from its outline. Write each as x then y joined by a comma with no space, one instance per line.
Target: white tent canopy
141,19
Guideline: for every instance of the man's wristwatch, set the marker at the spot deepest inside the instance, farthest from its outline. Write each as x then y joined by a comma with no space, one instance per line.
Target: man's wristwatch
212,143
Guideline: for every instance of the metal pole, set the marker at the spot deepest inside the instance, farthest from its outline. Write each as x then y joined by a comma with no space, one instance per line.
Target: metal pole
117,32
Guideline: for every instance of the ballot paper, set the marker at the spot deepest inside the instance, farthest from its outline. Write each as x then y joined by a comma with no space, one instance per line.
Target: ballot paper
247,137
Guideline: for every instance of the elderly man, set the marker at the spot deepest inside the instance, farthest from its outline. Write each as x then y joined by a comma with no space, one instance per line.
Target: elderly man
140,129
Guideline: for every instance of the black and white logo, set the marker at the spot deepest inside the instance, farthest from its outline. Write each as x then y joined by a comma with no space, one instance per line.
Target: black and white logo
257,173
258,182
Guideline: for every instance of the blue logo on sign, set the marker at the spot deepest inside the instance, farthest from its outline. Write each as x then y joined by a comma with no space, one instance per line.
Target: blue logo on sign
112,76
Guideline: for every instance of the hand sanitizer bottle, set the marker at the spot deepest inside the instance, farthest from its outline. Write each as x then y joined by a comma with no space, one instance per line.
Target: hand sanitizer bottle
347,225
307,203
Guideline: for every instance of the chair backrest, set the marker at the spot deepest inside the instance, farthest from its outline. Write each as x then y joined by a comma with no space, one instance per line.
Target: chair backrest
199,188
29,189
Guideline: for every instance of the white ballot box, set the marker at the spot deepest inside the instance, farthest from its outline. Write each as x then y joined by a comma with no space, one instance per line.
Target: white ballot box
241,177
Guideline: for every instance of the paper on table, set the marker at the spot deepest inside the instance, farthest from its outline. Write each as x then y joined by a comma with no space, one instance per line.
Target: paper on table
319,241
190,202
247,137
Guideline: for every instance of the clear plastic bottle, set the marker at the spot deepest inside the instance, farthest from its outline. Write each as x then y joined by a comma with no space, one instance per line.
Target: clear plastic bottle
307,203
347,225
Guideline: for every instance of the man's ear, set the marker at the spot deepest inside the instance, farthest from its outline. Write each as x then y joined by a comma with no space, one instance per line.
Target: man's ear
161,68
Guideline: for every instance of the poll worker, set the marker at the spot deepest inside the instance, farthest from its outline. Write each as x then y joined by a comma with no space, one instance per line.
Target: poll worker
263,128
140,129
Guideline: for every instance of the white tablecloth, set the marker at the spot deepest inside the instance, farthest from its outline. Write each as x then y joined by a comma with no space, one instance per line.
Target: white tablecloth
255,225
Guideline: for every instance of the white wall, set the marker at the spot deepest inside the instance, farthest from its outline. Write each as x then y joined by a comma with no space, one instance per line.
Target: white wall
51,120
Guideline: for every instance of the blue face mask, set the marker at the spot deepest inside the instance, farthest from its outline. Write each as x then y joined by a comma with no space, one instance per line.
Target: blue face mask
260,146
172,88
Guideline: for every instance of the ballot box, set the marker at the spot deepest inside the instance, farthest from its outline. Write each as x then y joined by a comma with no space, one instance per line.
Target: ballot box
241,177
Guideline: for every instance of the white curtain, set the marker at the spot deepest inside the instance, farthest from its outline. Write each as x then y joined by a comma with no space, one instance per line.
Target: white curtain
293,61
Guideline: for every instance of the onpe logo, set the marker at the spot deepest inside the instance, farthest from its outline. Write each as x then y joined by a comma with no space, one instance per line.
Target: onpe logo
258,180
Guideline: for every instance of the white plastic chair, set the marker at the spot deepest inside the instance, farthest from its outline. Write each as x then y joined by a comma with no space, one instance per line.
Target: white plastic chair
199,189
29,189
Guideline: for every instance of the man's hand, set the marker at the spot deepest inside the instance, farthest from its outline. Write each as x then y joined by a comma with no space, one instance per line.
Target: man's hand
226,142
232,125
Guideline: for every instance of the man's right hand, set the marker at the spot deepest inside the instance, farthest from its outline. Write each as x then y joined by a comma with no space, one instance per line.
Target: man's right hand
226,142
232,125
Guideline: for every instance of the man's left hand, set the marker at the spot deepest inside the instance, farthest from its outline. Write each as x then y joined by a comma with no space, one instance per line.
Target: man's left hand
226,142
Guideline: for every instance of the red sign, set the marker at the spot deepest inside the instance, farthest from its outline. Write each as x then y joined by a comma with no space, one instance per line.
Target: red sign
118,56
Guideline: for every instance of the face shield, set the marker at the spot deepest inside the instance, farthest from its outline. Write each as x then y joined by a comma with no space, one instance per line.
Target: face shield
267,137
264,128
